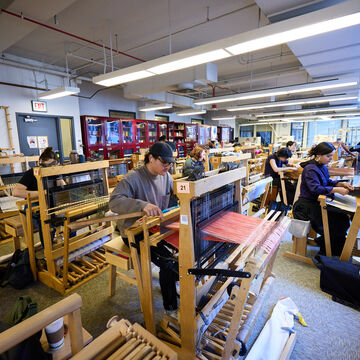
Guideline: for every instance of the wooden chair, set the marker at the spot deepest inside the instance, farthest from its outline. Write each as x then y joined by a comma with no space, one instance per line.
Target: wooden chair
300,244
118,255
75,339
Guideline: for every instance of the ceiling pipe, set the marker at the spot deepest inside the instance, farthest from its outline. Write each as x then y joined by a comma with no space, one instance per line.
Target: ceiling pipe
69,34
42,70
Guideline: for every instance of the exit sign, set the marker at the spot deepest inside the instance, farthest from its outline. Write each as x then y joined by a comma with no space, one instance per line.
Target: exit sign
38,106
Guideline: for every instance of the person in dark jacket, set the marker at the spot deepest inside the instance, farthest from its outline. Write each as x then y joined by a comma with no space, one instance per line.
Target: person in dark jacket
316,181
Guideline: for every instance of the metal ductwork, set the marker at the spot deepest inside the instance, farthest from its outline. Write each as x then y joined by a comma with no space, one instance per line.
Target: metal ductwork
176,81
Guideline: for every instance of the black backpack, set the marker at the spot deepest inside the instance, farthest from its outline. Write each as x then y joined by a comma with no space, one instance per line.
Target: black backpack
30,348
18,272
340,279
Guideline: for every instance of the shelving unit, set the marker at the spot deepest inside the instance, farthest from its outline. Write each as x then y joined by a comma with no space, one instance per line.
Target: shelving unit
163,129
110,138
152,132
224,133
191,136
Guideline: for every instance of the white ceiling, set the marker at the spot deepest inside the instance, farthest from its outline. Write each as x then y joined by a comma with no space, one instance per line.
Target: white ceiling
142,29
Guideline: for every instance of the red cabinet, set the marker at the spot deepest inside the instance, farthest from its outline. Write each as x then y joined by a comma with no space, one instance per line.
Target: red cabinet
141,134
153,136
224,133
110,138
204,132
93,137
191,137
128,137
163,129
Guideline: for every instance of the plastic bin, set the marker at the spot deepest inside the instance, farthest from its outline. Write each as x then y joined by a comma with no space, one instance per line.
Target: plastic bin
299,228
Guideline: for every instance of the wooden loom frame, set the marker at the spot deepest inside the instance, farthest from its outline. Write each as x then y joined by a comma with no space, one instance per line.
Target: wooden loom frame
215,161
190,322
352,233
52,252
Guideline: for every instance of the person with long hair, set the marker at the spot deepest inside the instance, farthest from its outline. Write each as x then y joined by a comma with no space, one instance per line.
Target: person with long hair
274,164
196,158
28,183
291,146
316,181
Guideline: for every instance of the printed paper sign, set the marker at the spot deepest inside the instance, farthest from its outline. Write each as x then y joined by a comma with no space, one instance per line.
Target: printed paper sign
32,142
183,187
43,142
184,220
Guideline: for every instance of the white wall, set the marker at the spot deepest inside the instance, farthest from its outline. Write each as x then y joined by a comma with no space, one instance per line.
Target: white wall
19,101
103,101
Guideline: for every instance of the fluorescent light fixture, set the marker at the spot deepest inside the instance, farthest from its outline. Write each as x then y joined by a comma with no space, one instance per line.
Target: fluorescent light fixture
121,76
58,92
297,33
190,61
155,107
286,90
317,100
308,111
224,118
191,112
318,22
291,119
347,114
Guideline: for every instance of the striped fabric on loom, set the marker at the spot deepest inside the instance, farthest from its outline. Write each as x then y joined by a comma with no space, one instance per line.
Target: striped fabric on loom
272,241
237,228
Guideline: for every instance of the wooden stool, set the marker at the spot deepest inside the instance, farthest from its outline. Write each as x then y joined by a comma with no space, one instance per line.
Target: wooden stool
14,228
117,254
299,250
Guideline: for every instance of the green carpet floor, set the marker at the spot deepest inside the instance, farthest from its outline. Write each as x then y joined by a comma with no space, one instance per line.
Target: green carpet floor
333,329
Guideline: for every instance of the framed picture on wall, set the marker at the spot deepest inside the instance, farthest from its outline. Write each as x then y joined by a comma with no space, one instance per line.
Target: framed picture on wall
197,121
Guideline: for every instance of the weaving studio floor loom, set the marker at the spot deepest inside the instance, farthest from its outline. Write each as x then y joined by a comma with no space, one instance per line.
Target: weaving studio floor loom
70,258
216,267
351,204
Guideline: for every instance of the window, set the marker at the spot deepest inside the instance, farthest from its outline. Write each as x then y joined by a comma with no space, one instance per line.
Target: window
297,131
353,132
325,128
197,121
246,131
122,114
161,118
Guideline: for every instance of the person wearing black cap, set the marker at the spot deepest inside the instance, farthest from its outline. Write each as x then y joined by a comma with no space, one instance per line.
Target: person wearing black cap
148,188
